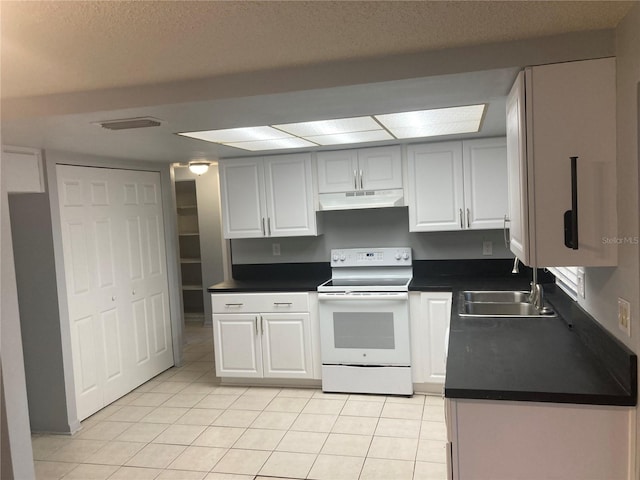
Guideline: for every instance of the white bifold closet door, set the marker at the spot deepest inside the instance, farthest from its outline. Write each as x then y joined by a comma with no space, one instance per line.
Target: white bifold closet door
116,279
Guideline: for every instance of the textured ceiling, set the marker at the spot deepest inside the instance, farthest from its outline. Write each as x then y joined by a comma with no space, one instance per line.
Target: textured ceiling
64,46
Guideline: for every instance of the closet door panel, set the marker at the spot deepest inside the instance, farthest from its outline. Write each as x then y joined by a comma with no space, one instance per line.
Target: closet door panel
114,254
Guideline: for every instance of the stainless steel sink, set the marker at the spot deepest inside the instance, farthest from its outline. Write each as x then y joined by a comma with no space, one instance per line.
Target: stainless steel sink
500,296
499,304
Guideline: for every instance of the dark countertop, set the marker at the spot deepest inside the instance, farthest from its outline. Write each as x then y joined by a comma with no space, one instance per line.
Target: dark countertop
564,359
569,358
296,285
276,277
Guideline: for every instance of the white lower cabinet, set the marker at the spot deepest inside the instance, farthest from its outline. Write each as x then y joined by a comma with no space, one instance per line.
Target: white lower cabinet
268,337
502,440
430,314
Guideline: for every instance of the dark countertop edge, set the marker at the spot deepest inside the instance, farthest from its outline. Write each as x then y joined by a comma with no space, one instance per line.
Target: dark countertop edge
247,286
543,397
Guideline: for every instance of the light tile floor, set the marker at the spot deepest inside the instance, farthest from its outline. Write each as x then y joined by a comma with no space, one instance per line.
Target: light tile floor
183,425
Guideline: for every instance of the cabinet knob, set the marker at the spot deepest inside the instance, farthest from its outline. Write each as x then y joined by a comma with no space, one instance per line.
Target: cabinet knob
133,292
113,298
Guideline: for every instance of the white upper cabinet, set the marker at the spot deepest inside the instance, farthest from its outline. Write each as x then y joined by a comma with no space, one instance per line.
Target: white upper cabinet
555,112
267,197
435,187
337,171
289,194
457,185
242,198
378,168
485,182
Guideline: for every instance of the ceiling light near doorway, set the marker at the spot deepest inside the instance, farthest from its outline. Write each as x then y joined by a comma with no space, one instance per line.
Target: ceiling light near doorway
390,126
198,168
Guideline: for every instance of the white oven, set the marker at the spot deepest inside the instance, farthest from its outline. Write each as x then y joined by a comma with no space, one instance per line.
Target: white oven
364,328
364,322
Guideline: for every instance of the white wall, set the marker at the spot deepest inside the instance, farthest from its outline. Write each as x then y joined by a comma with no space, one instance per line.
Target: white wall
17,441
605,285
378,227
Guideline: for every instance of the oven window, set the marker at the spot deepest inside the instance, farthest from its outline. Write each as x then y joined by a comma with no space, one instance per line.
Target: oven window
363,330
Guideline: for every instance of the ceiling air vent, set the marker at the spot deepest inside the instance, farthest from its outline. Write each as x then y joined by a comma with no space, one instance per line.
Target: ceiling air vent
129,123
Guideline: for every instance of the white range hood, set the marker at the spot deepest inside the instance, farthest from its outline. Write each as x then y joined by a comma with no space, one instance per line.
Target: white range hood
361,199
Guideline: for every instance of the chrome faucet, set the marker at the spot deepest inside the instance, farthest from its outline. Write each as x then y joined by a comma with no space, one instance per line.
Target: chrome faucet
515,266
536,295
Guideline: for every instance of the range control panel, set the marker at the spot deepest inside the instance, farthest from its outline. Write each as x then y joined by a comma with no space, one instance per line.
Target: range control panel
371,257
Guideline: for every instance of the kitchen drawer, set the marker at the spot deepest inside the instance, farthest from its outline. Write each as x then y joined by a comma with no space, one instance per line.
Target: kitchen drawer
260,302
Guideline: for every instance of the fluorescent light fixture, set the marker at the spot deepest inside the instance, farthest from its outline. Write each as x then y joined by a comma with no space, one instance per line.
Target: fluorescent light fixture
232,135
355,137
428,123
390,126
435,129
198,167
330,127
275,144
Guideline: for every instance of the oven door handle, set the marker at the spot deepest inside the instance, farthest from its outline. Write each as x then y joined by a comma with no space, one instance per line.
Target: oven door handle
362,296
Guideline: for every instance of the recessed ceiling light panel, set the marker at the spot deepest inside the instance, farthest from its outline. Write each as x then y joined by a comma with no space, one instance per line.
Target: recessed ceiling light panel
355,137
246,134
427,123
275,144
330,127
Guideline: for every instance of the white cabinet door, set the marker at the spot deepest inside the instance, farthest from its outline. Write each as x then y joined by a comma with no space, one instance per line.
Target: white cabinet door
286,345
517,171
242,197
380,168
289,194
556,112
436,313
532,441
485,183
435,187
237,346
338,171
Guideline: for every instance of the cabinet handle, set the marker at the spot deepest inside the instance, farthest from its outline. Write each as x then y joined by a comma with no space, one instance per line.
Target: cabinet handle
571,216
361,183
282,304
269,225
261,325
256,325
355,180
461,219
264,232
233,305
468,219
505,220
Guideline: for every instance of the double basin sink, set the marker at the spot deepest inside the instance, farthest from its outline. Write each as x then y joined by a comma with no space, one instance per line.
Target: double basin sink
499,304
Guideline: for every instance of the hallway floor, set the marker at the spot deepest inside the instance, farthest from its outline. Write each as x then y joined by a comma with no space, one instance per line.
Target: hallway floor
183,425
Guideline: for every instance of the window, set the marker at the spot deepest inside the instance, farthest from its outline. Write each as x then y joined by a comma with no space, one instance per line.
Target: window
567,279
